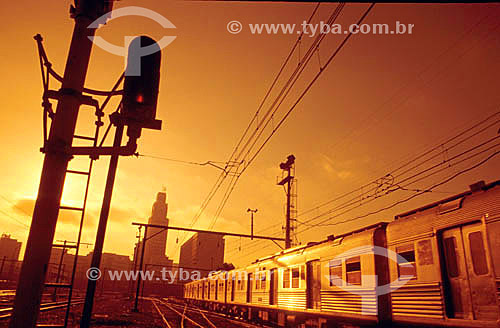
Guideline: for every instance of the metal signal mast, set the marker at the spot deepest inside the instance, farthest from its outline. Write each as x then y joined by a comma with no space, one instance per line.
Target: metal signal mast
288,179
137,111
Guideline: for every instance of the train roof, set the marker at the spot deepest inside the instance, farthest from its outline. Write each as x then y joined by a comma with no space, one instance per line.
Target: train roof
478,186
330,238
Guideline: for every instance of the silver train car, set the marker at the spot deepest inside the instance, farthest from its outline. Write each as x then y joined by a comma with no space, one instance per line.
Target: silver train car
436,266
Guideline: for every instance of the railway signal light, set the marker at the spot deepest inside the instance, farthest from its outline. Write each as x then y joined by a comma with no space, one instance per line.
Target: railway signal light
141,86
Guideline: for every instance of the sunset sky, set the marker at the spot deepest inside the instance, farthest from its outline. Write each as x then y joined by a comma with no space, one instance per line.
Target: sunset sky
382,100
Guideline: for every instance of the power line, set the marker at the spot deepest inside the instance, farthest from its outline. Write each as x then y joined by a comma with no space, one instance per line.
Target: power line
444,69
311,83
418,193
452,177
355,201
371,198
255,117
411,161
398,185
293,79
209,163
16,220
223,174
268,116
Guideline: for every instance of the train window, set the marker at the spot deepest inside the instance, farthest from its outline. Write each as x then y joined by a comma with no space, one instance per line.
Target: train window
295,277
263,281
408,267
257,281
335,272
424,250
353,270
286,278
477,253
303,272
451,256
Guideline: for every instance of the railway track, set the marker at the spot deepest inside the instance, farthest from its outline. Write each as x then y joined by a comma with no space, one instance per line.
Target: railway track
6,312
176,315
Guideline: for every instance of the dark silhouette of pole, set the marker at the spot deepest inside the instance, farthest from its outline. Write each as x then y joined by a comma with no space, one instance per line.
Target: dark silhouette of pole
287,166
101,230
136,256
1,266
46,211
143,246
288,243
54,296
251,221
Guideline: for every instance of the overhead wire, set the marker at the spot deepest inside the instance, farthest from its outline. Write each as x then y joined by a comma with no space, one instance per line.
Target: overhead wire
355,201
447,50
414,195
223,175
450,178
294,78
427,152
444,68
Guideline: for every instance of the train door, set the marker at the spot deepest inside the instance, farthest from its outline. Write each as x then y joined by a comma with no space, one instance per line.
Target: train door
273,286
313,284
470,289
249,288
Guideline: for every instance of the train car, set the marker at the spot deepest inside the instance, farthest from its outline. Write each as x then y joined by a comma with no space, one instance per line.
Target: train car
456,275
433,266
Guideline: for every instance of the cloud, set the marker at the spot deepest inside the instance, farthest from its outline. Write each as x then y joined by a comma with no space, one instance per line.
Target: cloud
26,206
332,168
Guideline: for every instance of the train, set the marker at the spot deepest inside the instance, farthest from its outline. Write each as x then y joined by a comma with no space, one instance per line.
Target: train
435,266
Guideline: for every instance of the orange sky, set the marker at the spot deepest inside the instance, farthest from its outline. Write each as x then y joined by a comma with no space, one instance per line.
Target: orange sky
382,99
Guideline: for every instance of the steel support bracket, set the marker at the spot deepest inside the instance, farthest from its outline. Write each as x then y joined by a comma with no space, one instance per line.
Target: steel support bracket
127,150
84,100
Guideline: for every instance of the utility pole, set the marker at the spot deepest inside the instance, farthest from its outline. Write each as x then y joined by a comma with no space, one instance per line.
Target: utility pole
54,296
251,221
143,246
136,256
101,230
287,168
138,111
45,214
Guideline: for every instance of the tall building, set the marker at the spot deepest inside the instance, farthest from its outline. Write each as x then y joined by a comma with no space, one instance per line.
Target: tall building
156,238
9,258
204,252
9,248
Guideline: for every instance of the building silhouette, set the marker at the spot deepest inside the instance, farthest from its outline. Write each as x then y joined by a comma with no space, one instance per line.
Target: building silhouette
9,248
9,258
156,238
204,252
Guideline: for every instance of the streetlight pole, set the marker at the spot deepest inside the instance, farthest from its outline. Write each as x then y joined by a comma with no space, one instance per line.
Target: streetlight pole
251,221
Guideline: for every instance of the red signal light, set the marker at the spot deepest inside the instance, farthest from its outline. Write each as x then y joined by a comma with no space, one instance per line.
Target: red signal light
139,98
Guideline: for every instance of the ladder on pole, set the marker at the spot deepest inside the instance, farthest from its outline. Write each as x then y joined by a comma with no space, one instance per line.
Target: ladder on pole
69,285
